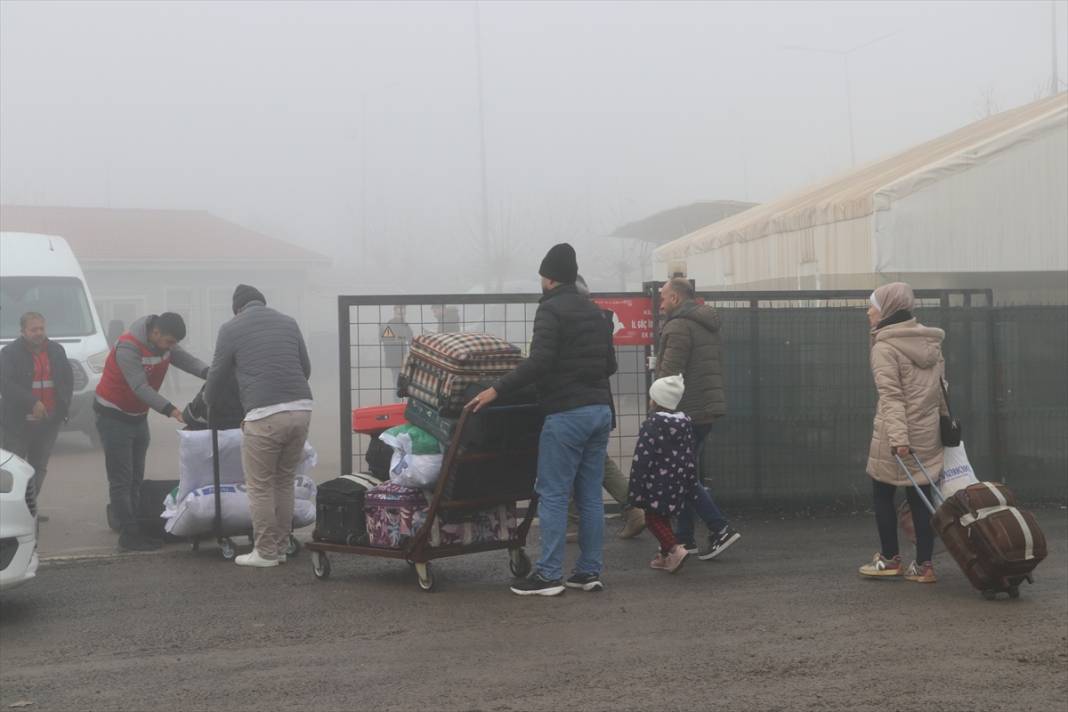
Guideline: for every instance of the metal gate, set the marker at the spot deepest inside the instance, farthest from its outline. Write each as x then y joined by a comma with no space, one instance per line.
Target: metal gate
799,389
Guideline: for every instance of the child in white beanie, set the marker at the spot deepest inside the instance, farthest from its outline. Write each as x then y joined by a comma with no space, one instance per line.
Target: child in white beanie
663,477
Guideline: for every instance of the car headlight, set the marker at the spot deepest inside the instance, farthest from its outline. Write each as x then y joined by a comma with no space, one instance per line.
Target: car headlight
96,361
7,482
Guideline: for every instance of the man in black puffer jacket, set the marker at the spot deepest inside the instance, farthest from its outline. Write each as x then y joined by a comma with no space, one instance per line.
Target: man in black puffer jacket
571,359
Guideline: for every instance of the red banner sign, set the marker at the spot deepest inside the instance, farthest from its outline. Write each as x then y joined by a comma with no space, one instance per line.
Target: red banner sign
633,320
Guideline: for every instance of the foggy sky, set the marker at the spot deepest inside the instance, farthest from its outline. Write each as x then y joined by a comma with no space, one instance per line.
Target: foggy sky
318,122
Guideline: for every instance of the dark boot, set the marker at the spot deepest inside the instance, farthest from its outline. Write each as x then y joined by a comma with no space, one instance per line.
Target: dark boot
131,539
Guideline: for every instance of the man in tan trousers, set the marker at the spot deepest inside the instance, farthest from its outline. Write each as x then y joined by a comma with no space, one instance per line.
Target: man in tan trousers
265,350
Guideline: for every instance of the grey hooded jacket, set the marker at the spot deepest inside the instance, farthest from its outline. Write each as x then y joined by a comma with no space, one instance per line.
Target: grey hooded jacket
265,350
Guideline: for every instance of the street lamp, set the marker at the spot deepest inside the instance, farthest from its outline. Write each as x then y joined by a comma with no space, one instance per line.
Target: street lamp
844,54
364,94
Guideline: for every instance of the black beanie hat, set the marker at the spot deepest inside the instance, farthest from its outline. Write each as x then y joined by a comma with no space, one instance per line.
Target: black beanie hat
560,264
245,294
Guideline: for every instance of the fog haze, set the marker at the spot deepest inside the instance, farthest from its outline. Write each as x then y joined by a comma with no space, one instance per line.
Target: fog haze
353,128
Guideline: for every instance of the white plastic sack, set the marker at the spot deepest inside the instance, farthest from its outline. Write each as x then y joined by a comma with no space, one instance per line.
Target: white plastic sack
957,472
195,514
195,466
408,470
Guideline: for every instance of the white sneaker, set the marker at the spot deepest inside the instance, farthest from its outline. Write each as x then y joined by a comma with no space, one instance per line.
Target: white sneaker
254,559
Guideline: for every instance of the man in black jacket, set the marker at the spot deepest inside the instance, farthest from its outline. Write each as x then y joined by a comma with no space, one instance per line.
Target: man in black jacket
571,359
37,384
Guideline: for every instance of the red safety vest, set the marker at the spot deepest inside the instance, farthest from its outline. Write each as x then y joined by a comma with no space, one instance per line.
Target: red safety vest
44,388
115,392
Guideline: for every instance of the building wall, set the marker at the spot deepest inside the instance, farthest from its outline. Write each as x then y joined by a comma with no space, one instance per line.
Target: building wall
203,296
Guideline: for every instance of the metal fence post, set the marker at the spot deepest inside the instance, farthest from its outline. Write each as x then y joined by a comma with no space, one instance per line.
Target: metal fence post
652,290
996,446
344,366
754,361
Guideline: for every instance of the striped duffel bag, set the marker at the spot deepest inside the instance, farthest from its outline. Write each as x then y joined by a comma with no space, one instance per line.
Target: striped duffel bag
440,367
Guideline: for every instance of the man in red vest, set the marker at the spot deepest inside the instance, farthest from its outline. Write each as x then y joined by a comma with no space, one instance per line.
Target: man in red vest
129,387
36,383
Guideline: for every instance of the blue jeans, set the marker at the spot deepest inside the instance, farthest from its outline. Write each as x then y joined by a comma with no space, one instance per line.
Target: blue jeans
702,505
571,454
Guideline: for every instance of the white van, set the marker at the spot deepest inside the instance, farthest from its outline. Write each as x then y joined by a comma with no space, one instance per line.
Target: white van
40,273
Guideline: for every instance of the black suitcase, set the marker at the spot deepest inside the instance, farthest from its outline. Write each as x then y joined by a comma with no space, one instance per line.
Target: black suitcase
379,457
339,517
150,507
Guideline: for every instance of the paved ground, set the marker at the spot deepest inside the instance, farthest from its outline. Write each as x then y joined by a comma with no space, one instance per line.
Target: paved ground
781,623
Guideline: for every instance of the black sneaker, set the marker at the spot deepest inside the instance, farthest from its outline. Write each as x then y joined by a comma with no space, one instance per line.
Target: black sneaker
718,543
537,585
690,546
585,582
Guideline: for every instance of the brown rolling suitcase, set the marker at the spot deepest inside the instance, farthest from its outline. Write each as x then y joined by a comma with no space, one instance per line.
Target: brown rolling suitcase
440,367
996,544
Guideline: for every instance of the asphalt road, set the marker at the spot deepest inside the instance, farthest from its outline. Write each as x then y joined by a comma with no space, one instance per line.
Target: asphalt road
782,622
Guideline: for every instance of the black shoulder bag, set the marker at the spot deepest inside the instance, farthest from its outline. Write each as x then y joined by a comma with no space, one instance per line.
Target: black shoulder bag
950,428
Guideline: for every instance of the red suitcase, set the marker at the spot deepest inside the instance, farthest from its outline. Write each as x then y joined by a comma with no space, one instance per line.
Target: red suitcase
376,419
996,544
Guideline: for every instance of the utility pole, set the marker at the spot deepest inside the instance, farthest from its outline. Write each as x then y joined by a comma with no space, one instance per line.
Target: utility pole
1055,80
844,54
482,134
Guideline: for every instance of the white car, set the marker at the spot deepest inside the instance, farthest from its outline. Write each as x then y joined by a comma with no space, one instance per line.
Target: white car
18,522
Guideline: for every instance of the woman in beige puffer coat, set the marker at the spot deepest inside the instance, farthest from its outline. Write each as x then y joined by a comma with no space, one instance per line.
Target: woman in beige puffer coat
907,366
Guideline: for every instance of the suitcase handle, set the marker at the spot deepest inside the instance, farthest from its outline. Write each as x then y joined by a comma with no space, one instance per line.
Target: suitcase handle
936,494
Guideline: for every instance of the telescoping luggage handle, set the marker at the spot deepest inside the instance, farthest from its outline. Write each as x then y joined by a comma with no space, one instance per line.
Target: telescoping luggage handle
934,488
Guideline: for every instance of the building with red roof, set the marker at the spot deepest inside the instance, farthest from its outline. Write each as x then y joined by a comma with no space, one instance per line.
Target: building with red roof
187,261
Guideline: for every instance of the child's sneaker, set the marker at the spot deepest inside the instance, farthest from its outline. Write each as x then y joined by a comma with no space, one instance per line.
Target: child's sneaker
675,558
921,573
659,563
882,568
718,543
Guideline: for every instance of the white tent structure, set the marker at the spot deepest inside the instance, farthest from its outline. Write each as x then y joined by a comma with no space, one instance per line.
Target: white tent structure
984,206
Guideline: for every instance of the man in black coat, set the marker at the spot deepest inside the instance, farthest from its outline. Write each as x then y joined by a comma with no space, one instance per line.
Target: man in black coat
37,384
571,359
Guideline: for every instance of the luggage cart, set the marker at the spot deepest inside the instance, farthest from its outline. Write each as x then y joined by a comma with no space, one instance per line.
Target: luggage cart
491,460
225,540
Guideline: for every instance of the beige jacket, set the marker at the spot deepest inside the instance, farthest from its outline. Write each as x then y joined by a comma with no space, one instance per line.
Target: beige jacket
907,365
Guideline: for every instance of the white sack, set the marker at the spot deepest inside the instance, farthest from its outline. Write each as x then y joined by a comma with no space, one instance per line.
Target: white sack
195,466
195,515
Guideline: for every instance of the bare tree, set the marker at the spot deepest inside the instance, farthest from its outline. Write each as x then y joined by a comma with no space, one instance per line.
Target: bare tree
988,102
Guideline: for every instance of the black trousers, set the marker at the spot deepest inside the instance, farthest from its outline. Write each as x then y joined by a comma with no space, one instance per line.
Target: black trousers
125,449
34,443
886,520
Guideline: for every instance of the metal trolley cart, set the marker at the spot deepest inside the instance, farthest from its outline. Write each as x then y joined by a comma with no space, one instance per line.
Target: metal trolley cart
491,460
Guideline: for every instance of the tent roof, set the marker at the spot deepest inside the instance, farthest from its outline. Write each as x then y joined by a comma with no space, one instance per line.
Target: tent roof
852,195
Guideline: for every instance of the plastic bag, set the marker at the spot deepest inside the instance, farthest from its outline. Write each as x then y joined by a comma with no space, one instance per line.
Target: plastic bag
420,441
409,469
957,472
